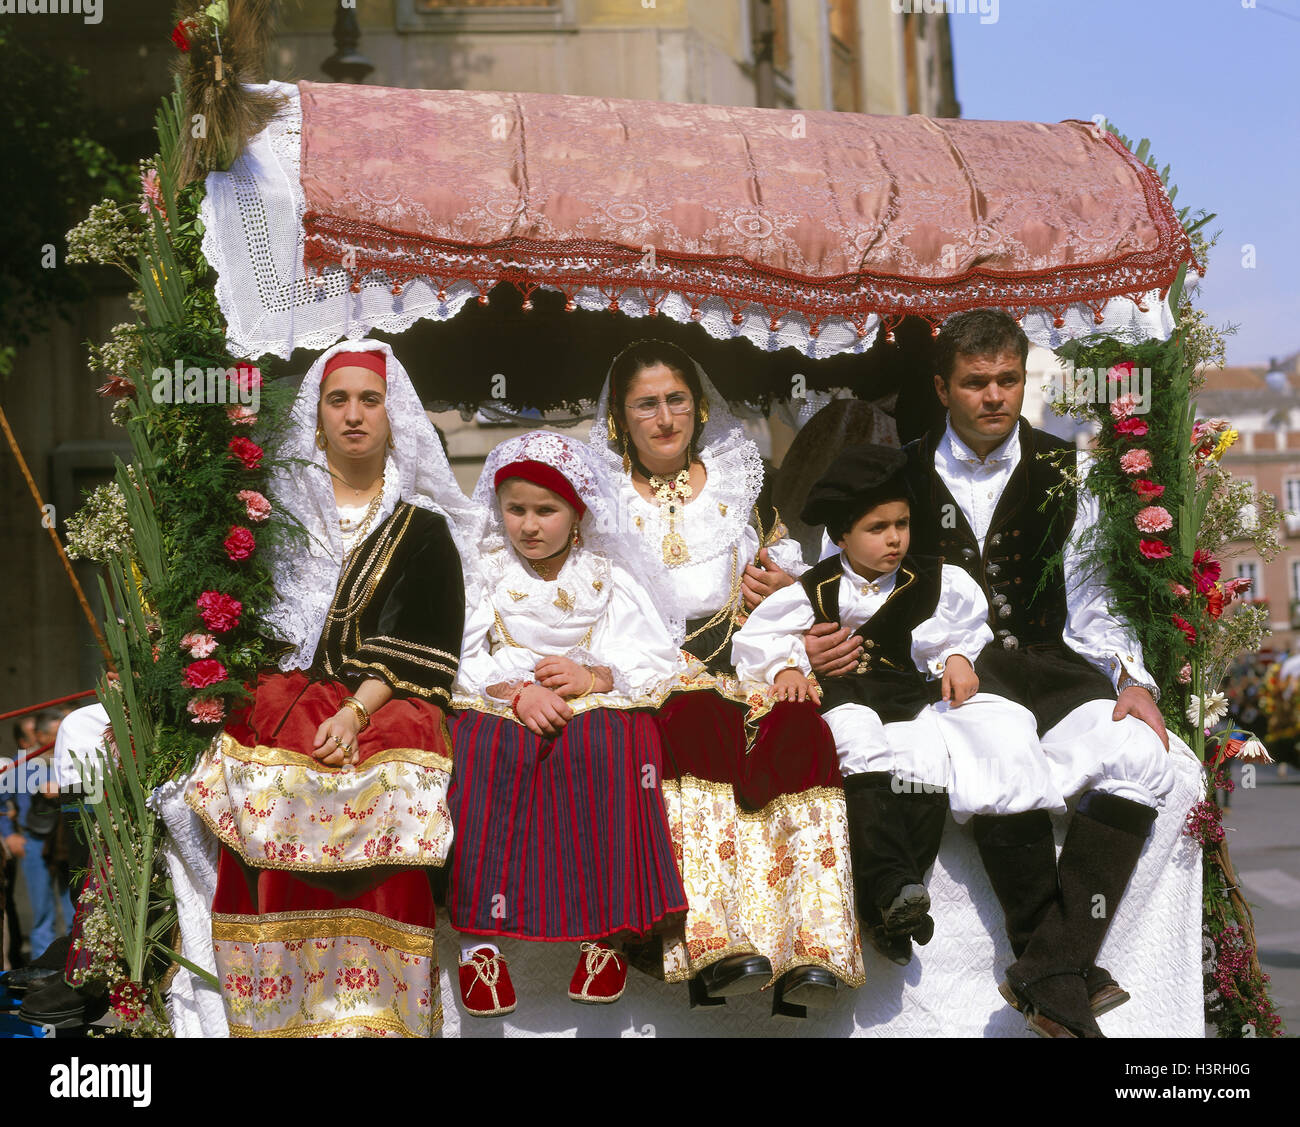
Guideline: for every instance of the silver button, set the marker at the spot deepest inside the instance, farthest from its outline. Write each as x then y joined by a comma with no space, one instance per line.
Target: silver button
993,569
1004,611
996,539
1010,642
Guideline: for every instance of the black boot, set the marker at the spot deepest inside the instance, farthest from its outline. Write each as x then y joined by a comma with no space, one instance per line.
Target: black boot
894,835
1101,851
1019,855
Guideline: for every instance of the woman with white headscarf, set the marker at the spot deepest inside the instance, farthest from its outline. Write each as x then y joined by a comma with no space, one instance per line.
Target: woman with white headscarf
328,790
751,785
561,832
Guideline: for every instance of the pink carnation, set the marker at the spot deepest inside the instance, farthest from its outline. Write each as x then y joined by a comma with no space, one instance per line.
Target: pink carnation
209,710
1179,590
220,612
152,190
1135,461
1155,549
239,544
257,506
1235,587
1146,489
1185,674
241,416
1135,428
1122,408
199,645
1154,518
201,674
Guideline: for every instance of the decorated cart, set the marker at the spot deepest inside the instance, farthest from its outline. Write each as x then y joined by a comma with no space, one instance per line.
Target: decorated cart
821,250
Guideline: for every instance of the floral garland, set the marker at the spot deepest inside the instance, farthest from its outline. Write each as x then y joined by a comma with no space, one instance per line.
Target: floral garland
1170,513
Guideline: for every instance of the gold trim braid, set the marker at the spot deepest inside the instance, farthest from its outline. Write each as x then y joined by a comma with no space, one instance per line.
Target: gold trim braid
341,923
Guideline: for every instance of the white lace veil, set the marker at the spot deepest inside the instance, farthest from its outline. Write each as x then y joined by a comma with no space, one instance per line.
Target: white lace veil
735,471
572,459
306,574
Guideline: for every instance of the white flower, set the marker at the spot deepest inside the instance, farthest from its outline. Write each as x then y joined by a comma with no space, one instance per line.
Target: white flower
1254,749
1216,708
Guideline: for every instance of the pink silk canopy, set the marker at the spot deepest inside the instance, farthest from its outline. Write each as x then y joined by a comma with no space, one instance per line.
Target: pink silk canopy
819,214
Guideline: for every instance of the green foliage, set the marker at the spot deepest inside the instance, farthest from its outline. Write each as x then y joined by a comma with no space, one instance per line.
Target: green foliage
50,171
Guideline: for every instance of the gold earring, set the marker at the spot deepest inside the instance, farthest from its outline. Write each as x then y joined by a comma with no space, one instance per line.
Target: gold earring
577,536
704,410
627,462
390,441
613,430
320,439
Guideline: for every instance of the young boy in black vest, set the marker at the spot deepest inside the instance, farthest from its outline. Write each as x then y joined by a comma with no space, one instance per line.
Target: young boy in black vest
897,717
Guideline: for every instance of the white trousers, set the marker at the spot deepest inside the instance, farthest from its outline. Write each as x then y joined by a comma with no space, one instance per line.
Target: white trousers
985,753
1088,750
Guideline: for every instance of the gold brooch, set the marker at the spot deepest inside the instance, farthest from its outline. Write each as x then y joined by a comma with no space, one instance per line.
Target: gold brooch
597,584
722,508
517,595
563,599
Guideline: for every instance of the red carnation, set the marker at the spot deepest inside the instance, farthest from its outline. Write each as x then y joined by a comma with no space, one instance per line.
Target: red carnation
1132,426
201,674
1147,490
247,451
1205,571
1155,549
179,37
1121,371
220,612
118,387
1189,631
239,544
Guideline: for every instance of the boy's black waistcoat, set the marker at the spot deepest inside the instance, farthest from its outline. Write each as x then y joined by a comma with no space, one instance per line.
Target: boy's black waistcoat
886,680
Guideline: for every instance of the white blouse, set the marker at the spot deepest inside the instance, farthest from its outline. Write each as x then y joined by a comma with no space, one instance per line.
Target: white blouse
594,613
772,638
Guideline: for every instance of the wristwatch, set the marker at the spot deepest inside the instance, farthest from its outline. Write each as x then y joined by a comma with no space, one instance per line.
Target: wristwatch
1128,681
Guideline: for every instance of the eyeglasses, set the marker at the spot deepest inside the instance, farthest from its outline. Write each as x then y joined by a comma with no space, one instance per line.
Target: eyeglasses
678,403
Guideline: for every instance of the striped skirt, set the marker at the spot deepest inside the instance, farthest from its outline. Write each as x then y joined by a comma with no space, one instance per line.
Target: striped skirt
562,839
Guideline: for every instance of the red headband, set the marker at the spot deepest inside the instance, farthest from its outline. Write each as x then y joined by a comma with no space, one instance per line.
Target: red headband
548,477
376,362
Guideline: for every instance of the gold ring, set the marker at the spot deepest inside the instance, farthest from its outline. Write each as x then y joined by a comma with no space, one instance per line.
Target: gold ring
338,741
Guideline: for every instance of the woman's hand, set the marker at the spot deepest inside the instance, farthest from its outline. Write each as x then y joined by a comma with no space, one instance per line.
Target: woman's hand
761,578
959,681
790,684
542,711
564,677
336,740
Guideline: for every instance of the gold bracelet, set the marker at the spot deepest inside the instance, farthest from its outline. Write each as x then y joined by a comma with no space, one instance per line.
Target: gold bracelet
590,687
359,710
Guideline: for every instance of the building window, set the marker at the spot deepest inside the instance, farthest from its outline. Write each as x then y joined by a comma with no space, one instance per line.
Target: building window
1250,569
1291,494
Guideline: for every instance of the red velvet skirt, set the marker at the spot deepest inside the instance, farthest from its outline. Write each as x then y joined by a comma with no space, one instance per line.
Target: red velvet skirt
323,916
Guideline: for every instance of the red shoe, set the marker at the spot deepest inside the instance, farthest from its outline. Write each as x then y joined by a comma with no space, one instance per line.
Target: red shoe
485,986
600,977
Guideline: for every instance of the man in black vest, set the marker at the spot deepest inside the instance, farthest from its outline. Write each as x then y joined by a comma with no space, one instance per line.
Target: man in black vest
985,501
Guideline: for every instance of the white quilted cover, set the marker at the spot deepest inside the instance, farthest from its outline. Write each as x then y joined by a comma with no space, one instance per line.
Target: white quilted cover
949,990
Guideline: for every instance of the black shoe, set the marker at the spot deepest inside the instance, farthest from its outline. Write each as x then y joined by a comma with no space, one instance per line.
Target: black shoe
908,912
30,977
61,1006
55,956
741,974
802,989
895,948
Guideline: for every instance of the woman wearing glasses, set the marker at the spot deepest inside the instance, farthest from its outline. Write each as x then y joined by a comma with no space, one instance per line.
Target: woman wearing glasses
751,785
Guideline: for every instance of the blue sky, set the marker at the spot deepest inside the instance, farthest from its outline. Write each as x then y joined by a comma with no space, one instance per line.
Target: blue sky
1214,85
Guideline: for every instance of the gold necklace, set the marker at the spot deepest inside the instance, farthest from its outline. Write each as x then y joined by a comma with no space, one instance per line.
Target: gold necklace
671,494
364,524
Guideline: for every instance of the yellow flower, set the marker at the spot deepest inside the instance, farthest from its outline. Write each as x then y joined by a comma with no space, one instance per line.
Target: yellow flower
1225,440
